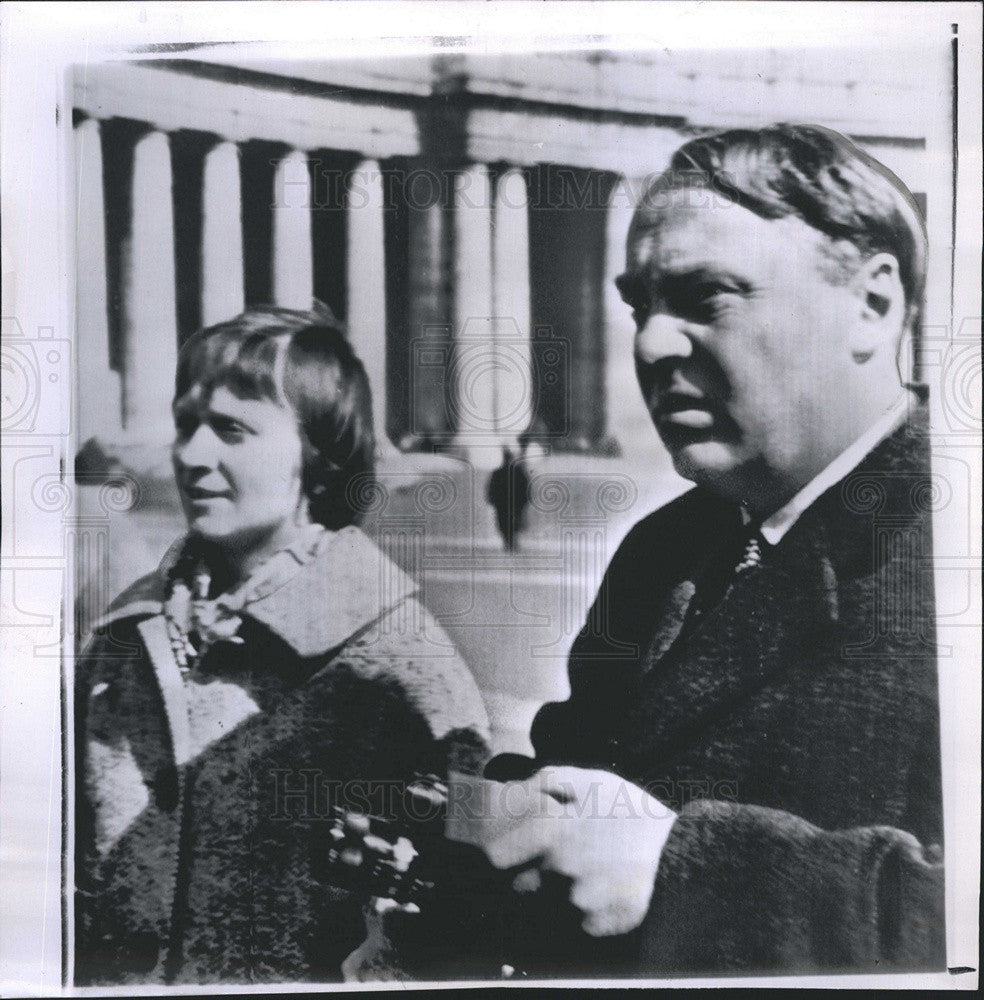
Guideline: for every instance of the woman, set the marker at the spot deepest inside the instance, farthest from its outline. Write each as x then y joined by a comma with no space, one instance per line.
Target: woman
264,672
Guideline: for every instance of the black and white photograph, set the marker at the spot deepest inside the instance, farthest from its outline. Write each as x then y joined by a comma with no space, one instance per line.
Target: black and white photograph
491,496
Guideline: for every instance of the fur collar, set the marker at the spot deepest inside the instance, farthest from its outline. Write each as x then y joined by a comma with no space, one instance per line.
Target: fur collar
347,586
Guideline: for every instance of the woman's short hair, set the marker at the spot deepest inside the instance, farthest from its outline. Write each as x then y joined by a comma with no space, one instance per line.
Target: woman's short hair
813,173
301,360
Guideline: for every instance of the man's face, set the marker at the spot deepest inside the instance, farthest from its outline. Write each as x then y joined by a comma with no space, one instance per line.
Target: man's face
741,342
237,463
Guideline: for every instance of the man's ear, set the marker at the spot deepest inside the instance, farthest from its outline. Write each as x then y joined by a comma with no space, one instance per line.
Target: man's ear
881,304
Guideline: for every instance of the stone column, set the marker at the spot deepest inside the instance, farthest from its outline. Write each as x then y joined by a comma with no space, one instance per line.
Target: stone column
567,264
222,235
99,411
149,320
584,220
292,257
515,378
473,372
367,287
427,329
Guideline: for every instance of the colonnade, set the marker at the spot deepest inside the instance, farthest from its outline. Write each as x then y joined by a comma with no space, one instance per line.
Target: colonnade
167,242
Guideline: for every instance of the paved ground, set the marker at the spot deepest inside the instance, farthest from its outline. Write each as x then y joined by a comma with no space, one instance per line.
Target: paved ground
512,615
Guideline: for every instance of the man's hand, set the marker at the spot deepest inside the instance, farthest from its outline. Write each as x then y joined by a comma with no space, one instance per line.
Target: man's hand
601,834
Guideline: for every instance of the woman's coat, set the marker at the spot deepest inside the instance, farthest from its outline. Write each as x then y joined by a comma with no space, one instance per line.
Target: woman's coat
202,801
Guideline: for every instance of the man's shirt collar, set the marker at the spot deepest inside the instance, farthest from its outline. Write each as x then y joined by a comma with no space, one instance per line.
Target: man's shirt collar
774,528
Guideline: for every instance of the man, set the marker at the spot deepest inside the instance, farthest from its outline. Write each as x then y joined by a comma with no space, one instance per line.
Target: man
746,775
508,492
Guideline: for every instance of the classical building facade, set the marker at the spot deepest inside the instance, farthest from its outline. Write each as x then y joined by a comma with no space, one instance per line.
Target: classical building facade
465,216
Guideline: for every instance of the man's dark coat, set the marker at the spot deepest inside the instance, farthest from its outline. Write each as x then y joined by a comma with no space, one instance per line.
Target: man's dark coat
793,724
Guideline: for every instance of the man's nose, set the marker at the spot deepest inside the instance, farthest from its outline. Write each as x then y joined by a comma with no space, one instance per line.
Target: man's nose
662,336
197,451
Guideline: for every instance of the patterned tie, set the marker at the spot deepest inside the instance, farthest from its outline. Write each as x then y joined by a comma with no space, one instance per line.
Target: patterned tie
751,556
718,579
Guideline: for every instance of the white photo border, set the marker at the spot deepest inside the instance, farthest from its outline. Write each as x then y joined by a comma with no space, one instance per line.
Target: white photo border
40,42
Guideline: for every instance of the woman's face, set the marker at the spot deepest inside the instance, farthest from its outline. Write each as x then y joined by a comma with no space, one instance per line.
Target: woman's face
237,463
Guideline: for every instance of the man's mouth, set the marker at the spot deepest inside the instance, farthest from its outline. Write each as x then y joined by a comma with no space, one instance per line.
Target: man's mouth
683,410
694,419
199,493
682,418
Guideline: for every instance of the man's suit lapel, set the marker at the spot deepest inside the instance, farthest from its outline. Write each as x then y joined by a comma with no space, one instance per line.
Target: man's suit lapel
677,607
772,617
737,645
686,567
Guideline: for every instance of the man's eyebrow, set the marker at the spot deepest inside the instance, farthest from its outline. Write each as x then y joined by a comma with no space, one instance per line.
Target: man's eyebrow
638,290
635,286
706,273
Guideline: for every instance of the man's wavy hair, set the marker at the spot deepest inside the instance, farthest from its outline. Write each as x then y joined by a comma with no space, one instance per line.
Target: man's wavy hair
303,361
815,174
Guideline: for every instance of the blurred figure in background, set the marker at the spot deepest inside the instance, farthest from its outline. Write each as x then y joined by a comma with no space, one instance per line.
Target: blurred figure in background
509,494
509,485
